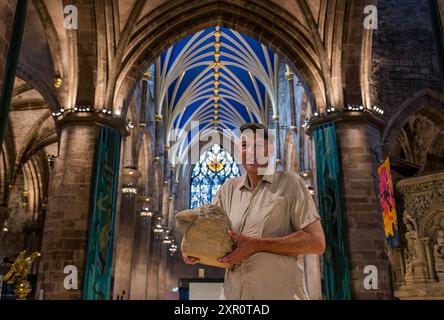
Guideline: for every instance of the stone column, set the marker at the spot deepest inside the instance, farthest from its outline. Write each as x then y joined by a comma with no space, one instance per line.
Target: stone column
162,272
359,151
153,268
65,231
7,9
140,259
125,235
12,25
359,144
277,127
290,77
441,9
436,8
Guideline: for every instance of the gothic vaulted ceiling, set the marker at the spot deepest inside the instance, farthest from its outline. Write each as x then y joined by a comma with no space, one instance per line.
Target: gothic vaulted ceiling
218,77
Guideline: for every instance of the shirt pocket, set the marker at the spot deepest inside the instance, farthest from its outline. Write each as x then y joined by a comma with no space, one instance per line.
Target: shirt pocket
275,221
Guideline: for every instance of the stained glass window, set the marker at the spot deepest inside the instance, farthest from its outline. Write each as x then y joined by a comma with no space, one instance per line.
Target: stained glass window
214,167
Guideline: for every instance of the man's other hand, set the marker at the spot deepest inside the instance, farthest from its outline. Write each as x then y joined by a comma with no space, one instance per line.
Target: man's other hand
190,260
245,247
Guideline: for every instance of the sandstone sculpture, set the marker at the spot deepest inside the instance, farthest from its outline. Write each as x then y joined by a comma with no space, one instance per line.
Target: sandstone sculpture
205,234
438,251
416,262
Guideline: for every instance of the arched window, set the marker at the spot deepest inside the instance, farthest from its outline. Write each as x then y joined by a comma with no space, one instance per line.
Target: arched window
214,167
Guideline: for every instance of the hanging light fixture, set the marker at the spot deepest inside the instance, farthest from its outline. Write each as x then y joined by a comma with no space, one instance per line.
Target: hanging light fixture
130,178
167,239
158,230
129,190
146,211
172,249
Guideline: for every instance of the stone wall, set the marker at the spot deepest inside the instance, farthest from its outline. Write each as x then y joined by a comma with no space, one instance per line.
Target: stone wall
404,54
13,241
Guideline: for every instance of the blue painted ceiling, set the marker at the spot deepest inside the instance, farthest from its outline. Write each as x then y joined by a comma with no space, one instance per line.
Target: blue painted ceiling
218,77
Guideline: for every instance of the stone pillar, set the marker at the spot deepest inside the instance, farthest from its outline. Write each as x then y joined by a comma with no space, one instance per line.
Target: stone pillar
153,268
125,235
277,127
359,144
140,259
438,35
10,45
65,230
441,10
290,78
155,245
124,248
7,9
162,272
66,222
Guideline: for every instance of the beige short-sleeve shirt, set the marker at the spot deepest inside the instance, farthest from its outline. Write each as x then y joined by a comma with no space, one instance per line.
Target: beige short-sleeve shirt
280,205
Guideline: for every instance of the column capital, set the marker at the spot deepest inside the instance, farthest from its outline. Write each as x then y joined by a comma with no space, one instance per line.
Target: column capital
346,116
289,75
94,118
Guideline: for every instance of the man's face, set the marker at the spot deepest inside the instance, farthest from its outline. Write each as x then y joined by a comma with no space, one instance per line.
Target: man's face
255,150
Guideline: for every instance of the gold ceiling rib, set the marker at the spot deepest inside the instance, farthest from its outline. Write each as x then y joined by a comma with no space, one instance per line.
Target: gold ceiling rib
217,64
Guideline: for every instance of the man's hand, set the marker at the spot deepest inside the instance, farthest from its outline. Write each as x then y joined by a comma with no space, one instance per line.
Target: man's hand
190,260
246,246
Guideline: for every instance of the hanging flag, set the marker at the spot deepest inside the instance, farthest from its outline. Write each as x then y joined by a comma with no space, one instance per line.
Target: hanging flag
99,256
335,263
387,201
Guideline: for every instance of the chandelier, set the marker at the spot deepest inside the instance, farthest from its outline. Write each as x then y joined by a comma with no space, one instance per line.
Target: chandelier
172,249
130,177
147,211
158,230
129,189
167,239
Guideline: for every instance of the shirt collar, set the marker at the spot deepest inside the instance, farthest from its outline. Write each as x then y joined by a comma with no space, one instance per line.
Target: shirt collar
267,177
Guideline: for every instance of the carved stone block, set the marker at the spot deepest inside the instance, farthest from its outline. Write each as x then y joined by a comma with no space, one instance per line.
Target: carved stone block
205,234
423,247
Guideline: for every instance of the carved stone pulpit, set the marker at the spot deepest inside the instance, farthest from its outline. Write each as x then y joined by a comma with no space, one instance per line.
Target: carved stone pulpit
422,257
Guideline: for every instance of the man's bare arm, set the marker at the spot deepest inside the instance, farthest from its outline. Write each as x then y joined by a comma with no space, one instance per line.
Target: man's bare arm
309,240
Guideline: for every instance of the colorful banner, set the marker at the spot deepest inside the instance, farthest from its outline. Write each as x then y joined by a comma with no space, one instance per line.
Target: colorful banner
99,257
335,264
388,207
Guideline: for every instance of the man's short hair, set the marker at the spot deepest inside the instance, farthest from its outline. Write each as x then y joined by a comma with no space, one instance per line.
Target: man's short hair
254,127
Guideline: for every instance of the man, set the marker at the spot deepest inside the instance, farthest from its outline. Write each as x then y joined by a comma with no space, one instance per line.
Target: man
274,222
